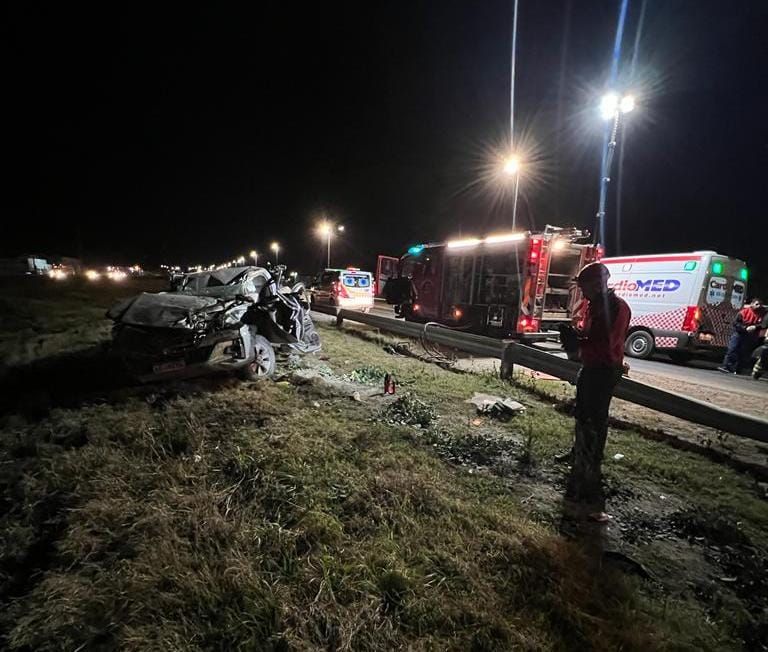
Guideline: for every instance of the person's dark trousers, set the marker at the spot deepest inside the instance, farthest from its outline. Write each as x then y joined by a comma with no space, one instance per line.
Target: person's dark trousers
734,353
594,390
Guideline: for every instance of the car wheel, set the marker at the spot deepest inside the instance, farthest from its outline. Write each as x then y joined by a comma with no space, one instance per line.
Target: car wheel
639,345
263,363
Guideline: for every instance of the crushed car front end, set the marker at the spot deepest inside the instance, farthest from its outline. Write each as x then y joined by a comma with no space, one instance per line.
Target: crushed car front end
168,335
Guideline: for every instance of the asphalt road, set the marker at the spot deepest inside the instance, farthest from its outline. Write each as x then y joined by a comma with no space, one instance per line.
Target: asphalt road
701,372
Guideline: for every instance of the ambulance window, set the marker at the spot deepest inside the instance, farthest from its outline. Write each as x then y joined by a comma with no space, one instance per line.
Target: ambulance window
737,295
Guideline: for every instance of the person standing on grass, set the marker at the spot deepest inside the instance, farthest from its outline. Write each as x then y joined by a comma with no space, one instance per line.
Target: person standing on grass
744,336
600,332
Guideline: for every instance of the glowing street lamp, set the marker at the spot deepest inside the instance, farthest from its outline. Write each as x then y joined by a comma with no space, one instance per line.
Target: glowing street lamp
255,255
326,229
511,168
612,107
276,248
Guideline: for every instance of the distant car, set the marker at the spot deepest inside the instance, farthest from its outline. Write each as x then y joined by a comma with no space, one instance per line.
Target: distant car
344,288
225,320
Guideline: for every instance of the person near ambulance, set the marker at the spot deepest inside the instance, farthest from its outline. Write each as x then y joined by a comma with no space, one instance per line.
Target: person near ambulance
761,364
600,331
744,337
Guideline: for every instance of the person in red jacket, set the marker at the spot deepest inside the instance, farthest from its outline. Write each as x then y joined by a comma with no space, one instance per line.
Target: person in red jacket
601,331
744,337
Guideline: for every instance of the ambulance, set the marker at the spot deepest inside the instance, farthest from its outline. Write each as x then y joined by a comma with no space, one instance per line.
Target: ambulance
682,304
350,288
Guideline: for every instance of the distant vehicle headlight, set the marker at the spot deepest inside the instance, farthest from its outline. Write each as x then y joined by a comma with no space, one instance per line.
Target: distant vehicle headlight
92,275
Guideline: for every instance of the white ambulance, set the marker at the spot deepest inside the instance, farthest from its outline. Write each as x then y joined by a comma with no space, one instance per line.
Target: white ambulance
682,304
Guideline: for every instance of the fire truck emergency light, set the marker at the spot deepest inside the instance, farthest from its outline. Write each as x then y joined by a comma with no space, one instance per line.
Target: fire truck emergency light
469,242
504,237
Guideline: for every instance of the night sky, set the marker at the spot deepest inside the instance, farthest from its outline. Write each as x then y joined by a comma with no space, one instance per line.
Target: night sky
144,134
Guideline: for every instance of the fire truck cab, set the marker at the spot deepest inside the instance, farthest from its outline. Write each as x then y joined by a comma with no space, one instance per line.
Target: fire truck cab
504,285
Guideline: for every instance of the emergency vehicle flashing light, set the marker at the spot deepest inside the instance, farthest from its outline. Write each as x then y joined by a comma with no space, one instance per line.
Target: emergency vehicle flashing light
535,251
527,324
743,274
717,268
339,290
504,237
690,266
692,319
416,250
469,242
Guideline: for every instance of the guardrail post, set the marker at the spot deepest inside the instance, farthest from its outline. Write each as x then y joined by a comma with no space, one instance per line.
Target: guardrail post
507,367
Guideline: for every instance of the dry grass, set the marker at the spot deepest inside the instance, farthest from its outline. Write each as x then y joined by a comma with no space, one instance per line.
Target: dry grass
223,515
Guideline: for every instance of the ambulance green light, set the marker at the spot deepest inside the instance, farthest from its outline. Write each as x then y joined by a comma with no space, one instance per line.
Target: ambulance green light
690,266
717,268
415,250
743,274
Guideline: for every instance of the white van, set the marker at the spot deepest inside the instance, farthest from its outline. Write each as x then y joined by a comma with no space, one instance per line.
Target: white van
681,304
344,288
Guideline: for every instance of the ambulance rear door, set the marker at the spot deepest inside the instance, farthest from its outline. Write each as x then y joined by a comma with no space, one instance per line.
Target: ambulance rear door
722,295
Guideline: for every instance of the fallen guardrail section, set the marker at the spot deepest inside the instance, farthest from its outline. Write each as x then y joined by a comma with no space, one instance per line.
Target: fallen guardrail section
512,353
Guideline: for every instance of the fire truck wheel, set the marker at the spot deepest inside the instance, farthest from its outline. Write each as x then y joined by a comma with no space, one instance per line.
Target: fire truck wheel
639,345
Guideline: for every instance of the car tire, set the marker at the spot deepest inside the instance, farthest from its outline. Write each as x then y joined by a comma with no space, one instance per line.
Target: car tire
263,364
639,345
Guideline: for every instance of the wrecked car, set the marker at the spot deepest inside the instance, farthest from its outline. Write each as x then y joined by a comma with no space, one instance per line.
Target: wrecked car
230,319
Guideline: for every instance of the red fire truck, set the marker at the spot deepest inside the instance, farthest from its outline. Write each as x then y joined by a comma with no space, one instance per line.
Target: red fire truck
503,285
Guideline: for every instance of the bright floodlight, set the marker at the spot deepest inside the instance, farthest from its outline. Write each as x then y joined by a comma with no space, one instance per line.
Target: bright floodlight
325,228
627,103
512,165
274,247
609,105
253,253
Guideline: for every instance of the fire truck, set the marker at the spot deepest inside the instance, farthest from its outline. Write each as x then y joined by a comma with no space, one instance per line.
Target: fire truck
503,285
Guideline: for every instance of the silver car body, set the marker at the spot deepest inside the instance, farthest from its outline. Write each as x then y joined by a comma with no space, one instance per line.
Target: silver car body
196,329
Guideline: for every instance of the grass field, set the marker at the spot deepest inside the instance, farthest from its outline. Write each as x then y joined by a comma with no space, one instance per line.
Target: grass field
306,513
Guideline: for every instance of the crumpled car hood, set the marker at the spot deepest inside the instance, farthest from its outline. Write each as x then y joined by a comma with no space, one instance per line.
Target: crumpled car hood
163,310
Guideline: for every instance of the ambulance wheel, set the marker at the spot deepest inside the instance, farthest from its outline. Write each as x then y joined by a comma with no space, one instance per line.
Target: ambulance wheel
639,345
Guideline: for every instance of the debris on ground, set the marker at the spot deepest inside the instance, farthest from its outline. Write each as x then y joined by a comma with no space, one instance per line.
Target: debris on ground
618,456
367,375
496,406
411,411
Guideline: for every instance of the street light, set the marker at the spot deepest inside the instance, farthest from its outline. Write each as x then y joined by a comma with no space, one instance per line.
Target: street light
511,168
326,229
276,248
255,255
612,107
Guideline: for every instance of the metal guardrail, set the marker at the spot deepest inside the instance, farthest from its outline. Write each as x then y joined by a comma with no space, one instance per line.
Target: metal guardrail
512,353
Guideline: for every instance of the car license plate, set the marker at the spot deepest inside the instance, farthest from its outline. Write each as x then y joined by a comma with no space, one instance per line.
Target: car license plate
165,367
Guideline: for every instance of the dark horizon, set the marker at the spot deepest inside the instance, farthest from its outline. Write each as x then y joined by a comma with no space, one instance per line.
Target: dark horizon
192,137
